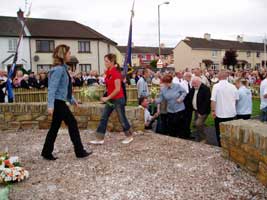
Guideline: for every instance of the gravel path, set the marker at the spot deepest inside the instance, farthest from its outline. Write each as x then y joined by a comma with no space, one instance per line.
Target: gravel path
152,167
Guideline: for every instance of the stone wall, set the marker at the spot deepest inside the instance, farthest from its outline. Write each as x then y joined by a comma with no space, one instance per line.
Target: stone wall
245,142
34,116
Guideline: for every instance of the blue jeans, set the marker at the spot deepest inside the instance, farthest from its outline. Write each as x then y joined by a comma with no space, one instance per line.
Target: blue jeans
119,106
264,114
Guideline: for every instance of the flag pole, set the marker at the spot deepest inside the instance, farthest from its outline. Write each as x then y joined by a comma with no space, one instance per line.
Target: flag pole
128,55
9,87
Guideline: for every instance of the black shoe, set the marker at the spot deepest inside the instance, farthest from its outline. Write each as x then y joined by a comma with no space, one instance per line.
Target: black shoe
84,154
50,157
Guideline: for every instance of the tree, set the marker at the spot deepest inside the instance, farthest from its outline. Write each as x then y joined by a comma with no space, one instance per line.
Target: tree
153,64
230,59
207,62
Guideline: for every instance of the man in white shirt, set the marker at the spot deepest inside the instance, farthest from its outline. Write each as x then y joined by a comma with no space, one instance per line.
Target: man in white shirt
263,95
149,119
178,79
223,102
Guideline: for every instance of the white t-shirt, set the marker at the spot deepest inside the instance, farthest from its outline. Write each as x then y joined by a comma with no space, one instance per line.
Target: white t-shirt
181,82
148,117
225,95
263,91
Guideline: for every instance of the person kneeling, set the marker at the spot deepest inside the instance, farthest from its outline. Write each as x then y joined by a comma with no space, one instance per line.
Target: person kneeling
149,119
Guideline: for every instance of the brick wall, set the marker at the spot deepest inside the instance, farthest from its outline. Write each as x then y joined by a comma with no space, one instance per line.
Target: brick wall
245,142
34,116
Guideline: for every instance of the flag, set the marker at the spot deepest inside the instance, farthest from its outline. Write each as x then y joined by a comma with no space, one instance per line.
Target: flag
128,56
9,87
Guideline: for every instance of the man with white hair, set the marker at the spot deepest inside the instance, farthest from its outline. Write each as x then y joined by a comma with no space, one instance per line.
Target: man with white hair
201,105
223,102
198,72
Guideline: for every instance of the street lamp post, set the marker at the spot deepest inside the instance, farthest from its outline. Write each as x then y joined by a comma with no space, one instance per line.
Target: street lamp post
159,22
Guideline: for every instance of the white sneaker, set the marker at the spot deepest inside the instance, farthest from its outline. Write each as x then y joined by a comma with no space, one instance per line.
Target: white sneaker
127,140
97,142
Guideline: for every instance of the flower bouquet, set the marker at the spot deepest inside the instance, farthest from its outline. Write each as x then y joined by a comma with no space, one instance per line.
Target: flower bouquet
92,94
154,91
11,170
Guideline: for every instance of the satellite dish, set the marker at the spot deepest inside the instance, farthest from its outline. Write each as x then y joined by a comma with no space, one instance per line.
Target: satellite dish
36,58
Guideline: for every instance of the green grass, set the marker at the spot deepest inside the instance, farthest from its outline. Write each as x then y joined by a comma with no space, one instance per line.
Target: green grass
255,112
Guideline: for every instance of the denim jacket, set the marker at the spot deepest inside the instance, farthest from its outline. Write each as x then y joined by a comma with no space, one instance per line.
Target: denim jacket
58,82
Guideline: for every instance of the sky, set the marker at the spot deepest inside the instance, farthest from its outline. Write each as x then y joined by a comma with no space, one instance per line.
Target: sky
223,19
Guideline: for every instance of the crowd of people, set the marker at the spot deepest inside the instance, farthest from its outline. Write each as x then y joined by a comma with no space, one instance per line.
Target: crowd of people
188,97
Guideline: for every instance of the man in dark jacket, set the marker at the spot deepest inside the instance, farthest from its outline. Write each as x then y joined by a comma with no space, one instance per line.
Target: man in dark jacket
201,104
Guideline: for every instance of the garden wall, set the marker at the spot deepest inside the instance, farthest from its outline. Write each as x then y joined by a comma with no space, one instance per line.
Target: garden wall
245,142
34,116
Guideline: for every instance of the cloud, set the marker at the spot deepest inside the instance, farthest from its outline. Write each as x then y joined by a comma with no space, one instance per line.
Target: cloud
223,19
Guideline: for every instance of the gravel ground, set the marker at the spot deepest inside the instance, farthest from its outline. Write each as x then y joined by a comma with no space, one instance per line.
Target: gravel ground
152,167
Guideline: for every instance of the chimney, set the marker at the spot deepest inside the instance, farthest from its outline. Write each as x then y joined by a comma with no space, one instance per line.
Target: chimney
20,14
207,36
239,38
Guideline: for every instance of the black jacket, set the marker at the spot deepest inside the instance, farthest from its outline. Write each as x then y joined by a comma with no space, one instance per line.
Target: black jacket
203,99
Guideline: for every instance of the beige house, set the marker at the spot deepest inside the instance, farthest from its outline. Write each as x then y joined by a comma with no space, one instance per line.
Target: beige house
88,47
197,52
142,56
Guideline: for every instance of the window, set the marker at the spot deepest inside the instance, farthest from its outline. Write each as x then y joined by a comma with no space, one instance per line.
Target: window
134,56
45,46
84,47
43,68
215,66
258,54
248,53
85,67
214,53
12,45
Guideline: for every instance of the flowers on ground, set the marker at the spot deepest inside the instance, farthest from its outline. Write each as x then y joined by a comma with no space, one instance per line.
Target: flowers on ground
11,170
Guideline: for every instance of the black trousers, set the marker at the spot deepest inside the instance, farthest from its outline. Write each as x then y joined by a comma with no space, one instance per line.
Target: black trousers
176,124
245,117
162,124
187,120
217,127
62,113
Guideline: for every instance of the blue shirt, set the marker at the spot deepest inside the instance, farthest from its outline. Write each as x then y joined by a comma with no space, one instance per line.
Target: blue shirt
142,88
58,85
244,104
171,95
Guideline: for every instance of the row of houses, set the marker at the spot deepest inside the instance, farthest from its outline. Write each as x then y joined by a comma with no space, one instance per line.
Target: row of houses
41,36
195,52
88,47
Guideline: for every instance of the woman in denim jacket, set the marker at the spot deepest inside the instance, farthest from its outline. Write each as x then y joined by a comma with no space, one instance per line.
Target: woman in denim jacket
115,97
59,92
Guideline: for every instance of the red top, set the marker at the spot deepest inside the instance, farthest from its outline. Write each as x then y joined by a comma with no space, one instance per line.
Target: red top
112,75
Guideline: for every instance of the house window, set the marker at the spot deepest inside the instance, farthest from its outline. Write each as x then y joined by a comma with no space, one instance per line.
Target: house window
248,53
84,46
85,67
43,68
214,53
134,56
258,54
46,46
12,45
